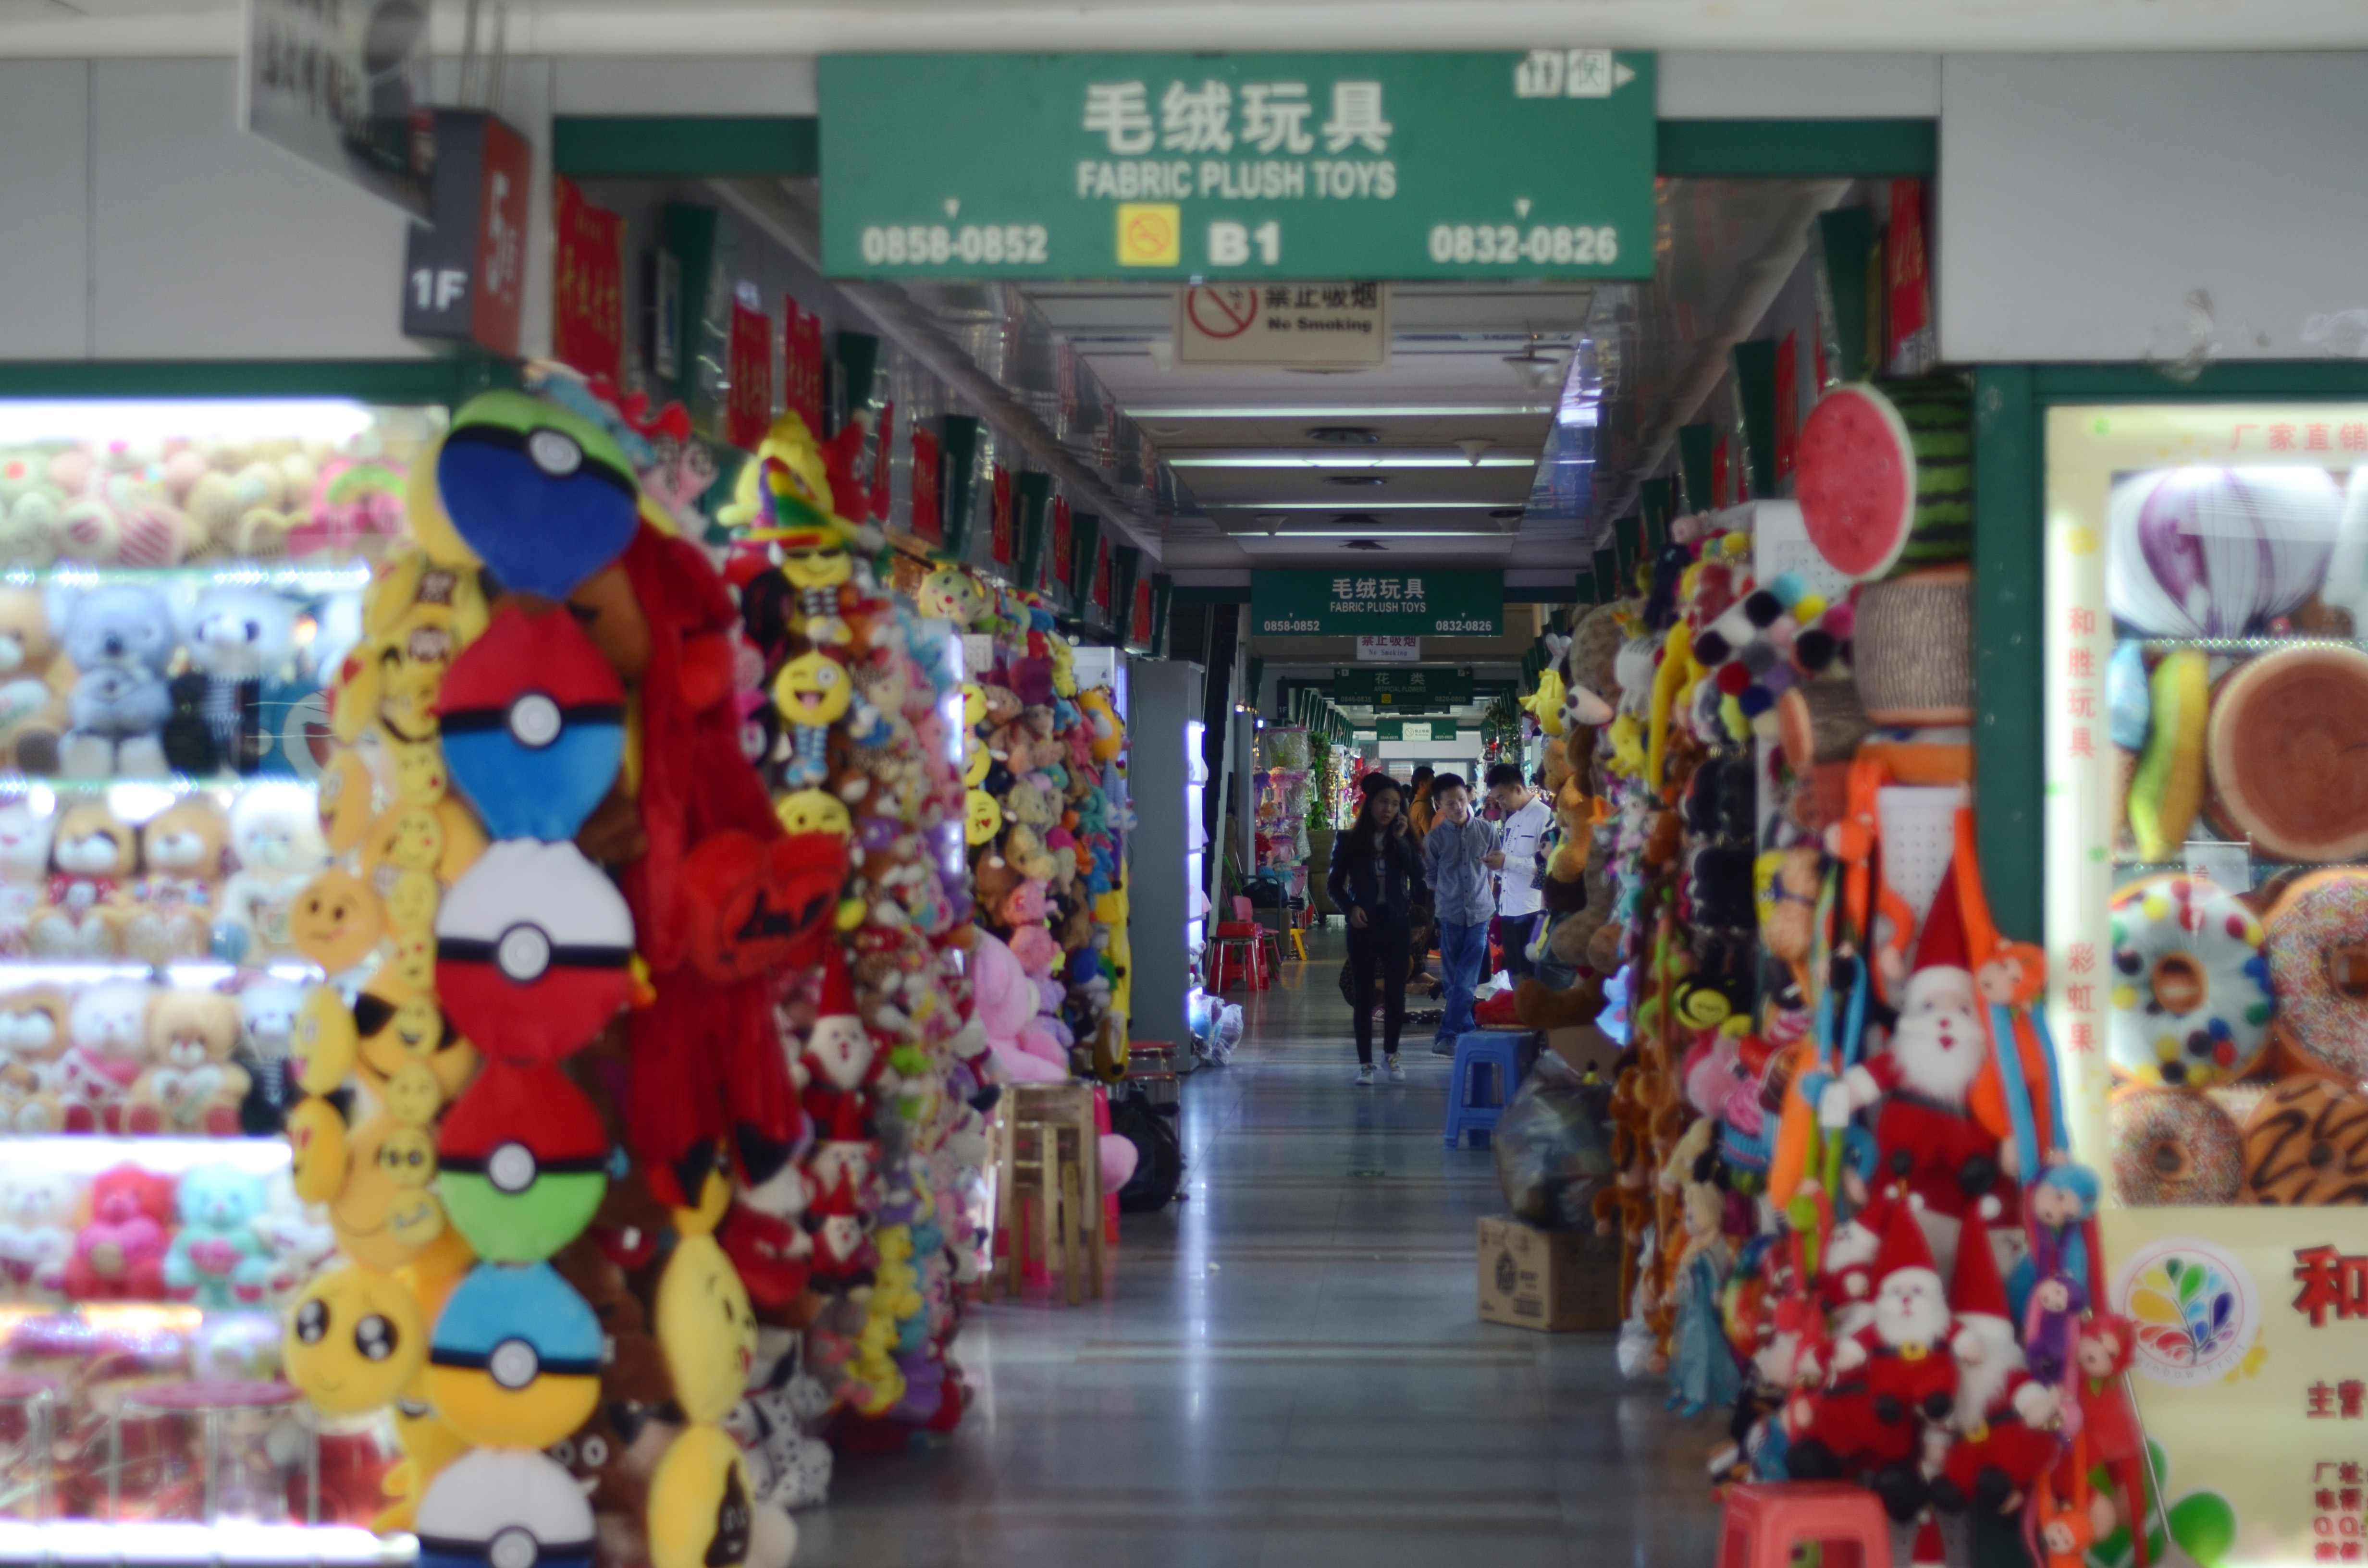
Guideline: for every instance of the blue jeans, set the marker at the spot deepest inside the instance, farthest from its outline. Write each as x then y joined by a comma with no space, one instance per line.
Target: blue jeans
1462,950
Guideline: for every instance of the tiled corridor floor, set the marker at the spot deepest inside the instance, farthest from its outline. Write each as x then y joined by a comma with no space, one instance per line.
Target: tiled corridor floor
1288,1371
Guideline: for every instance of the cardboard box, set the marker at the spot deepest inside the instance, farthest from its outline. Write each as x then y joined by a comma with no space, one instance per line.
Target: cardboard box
1554,1280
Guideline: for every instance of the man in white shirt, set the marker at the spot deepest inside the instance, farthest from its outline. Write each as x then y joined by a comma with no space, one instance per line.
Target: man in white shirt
1523,817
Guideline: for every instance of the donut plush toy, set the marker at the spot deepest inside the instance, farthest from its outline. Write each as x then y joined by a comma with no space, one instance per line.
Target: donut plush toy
2306,1143
2318,967
2191,987
2174,1148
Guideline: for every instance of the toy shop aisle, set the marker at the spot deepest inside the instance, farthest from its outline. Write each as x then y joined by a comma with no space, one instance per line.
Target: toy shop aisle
1288,1371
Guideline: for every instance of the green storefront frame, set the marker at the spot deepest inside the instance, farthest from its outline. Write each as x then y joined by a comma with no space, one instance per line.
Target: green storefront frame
448,381
2010,405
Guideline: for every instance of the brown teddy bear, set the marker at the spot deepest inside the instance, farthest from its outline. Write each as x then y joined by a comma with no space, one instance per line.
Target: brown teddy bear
92,858
34,682
32,1036
191,1087
181,865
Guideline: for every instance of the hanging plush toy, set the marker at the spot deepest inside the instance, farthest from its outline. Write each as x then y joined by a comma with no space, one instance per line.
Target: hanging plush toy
812,692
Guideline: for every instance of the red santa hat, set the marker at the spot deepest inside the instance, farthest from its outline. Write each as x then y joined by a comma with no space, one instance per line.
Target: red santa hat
1942,952
838,990
1903,1245
1974,1287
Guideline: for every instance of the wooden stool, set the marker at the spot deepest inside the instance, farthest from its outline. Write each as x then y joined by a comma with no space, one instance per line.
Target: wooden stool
1050,1161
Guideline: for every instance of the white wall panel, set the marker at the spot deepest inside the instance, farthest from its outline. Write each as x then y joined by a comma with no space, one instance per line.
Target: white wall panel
1695,86
44,190
638,85
2151,206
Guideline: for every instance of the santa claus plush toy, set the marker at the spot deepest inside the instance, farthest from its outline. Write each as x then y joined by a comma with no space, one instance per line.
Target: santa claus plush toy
1924,1134
2003,1421
1889,1379
1846,1277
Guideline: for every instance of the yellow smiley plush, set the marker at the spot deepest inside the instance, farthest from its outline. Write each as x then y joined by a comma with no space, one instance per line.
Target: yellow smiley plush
384,1213
411,902
813,811
323,1039
354,1339
319,1155
974,705
982,817
337,920
343,798
705,1325
812,691
700,1515
976,760
419,776
815,558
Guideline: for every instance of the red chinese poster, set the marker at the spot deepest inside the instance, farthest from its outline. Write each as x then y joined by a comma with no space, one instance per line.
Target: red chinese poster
1788,403
587,299
928,520
749,405
1061,566
1102,577
1909,350
1719,493
1138,625
1000,527
802,377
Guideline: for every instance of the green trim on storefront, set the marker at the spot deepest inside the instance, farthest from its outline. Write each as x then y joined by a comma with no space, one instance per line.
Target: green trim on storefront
2010,405
685,147
1799,149
449,381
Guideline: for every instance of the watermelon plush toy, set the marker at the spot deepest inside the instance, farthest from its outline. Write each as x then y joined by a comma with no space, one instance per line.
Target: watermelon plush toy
1886,480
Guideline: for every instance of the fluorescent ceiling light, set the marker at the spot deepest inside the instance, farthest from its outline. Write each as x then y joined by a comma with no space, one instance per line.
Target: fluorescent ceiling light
1346,506
1381,534
143,420
1357,411
1286,461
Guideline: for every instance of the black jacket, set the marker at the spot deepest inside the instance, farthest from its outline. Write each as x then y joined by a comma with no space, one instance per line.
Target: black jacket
1352,883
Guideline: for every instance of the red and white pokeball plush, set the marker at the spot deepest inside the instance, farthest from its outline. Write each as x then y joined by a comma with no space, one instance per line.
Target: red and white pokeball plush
532,950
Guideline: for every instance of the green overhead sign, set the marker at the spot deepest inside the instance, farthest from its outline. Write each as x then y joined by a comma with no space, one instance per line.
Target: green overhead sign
1402,687
1397,603
1442,730
1390,730
1214,167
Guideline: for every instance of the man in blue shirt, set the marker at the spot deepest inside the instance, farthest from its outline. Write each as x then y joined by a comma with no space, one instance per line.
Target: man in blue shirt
1455,854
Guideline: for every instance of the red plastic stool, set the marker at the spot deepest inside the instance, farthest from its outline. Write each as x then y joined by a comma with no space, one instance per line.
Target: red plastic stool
1765,1521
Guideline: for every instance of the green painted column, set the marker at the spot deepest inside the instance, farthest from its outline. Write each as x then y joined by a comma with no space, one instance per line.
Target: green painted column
2009,641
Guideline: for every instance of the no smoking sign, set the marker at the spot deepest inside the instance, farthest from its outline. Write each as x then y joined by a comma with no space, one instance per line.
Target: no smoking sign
1334,326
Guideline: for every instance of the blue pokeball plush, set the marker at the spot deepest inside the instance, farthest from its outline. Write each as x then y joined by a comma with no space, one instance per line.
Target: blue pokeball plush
522,1162
533,722
543,495
515,1362
532,950
503,1508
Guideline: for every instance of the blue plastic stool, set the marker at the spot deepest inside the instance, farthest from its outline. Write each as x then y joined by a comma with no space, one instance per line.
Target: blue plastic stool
1497,1052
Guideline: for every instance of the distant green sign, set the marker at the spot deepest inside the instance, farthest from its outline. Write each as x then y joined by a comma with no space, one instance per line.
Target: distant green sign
1390,730
1442,730
1402,687
1452,603
1216,167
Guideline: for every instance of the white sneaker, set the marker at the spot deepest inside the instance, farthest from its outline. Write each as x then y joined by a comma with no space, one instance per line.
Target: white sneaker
1365,1076
1397,1072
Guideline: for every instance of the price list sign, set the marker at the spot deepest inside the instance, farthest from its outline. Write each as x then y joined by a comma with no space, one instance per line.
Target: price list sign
1510,165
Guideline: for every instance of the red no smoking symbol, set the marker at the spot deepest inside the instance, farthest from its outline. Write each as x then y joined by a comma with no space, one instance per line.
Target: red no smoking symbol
1222,312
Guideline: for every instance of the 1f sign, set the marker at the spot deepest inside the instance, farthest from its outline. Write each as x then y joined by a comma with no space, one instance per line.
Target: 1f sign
440,289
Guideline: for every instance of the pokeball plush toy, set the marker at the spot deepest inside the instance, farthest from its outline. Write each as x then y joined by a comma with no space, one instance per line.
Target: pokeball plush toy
700,1513
354,1340
542,494
505,1508
534,724
516,1359
531,950
523,1162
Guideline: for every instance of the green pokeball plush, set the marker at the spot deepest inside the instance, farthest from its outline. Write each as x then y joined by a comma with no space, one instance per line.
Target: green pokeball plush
523,1161
700,1513
543,495
503,1508
515,1362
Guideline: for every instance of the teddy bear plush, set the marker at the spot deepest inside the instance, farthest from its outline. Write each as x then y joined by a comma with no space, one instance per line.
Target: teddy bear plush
119,1254
34,682
25,837
82,910
275,835
107,1032
120,639
32,1037
218,1258
191,1087
36,1213
241,641
181,863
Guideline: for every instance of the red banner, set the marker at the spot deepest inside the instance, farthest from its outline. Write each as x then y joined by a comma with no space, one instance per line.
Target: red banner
1719,493
929,517
1000,536
1788,403
802,373
1909,329
1102,578
587,300
1138,625
749,405
1063,568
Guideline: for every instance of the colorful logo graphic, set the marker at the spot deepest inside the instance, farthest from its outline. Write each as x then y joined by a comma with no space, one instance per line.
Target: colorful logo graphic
2196,1309
1150,234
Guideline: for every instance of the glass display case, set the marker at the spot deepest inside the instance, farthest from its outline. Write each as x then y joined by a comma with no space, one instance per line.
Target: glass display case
2206,645
179,581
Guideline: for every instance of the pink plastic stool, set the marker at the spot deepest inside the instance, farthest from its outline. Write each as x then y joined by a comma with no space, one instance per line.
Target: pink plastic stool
1765,1521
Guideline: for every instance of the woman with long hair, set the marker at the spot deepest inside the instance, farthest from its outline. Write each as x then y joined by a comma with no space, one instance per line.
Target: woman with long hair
1376,873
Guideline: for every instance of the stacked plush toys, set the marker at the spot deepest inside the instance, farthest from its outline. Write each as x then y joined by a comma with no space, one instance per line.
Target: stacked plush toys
557,889
850,712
